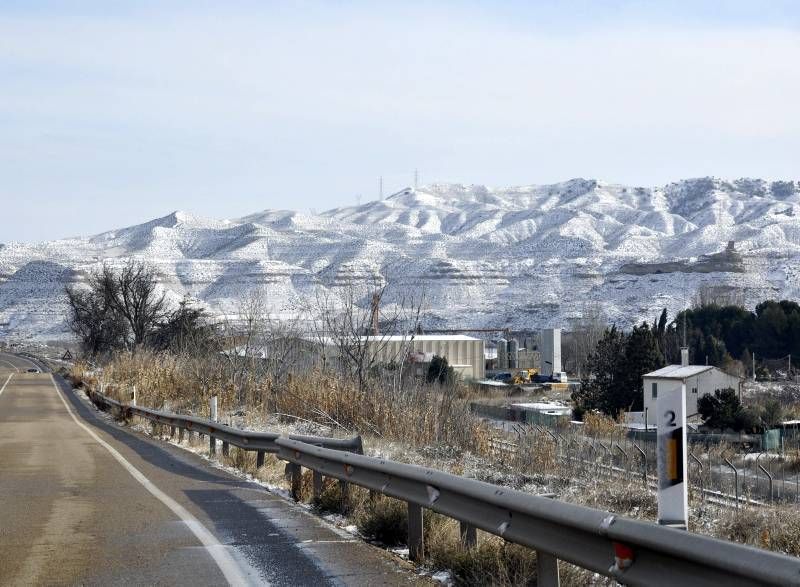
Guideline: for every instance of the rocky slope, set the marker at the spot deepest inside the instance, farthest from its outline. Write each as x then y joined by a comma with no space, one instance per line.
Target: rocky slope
525,257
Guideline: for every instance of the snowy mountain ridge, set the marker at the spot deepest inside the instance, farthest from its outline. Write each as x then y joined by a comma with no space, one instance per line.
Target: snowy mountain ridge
524,257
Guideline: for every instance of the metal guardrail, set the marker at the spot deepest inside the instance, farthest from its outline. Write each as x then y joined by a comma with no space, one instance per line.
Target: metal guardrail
631,551
262,442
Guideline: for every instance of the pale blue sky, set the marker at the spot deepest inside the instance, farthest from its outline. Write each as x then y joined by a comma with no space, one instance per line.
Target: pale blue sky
110,116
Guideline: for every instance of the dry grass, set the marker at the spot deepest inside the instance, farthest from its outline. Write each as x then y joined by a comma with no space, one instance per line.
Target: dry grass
185,384
775,528
493,562
596,424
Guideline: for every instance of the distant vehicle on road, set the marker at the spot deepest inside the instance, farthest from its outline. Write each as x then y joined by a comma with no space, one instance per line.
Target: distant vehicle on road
32,370
556,377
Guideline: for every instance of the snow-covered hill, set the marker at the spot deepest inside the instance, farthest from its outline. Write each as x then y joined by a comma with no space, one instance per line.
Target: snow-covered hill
525,257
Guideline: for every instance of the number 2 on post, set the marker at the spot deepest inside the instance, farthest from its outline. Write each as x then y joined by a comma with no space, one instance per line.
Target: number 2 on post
670,416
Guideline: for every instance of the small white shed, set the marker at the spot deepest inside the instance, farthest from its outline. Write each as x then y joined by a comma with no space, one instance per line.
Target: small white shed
699,380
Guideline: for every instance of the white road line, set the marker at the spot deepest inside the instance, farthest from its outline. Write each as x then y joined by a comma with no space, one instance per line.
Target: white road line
2,389
226,563
10,364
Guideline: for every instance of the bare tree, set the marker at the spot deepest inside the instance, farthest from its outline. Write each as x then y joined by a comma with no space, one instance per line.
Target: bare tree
585,332
93,320
350,325
116,308
136,297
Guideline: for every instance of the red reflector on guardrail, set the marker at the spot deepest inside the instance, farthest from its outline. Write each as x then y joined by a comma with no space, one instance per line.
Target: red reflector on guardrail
623,555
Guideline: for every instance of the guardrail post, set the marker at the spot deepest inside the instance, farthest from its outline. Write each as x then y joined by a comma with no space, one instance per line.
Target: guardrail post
172,431
344,490
297,478
469,535
225,449
212,442
317,484
416,546
546,570
259,459
180,434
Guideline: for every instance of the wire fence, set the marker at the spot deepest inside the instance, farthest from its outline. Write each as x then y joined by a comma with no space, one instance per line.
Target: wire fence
722,472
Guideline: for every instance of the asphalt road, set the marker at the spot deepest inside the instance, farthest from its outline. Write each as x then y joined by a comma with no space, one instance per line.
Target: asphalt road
86,502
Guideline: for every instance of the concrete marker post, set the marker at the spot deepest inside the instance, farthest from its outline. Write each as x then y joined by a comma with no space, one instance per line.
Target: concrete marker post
673,499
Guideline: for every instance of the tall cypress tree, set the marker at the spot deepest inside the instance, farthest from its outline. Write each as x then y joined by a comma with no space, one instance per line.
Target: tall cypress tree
642,355
599,385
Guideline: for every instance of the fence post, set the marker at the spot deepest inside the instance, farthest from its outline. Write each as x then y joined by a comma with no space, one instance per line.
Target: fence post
644,463
546,570
699,464
608,453
416,546
469,535
625,454
769,476
758,466
735,480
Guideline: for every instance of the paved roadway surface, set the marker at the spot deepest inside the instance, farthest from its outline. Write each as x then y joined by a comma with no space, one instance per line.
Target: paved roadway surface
85,502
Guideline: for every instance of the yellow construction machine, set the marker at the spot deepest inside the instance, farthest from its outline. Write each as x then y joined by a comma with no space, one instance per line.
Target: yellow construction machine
524,376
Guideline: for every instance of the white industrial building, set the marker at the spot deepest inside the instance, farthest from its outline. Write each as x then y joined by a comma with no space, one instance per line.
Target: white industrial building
699,380
464,354
550,349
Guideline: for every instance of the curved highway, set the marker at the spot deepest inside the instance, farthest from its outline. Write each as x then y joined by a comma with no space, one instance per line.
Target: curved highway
84,501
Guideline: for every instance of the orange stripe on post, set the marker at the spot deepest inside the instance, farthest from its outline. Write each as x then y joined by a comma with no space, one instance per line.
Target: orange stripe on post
672,459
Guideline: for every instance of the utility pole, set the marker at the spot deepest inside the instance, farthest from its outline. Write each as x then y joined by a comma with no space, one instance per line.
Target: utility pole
754,366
